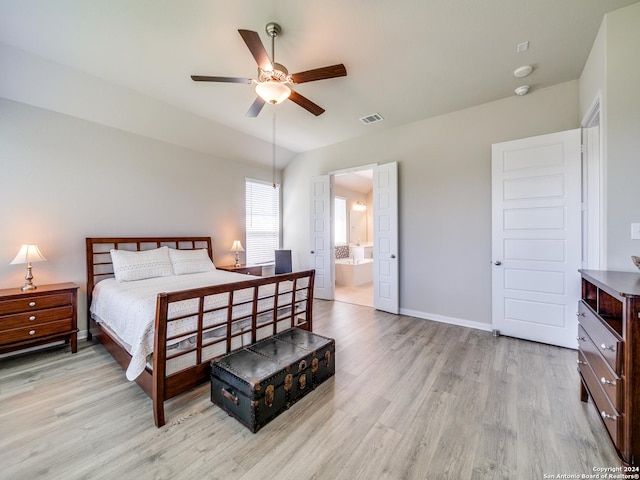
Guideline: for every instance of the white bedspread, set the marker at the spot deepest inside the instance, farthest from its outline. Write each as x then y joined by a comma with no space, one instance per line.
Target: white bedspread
129,308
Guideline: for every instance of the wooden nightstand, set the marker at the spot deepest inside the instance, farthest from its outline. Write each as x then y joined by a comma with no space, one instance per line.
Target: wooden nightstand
248,269
37,317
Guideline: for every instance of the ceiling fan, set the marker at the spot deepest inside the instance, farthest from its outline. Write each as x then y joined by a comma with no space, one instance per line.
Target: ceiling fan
272,85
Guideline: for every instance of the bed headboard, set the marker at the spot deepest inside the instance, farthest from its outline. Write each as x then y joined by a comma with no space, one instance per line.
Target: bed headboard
99,264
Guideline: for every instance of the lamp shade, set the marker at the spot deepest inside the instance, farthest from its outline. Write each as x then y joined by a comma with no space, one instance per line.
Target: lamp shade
237,246
28,254
273,92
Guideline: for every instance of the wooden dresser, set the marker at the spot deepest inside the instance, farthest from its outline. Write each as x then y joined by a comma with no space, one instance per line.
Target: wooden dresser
37,317
609,355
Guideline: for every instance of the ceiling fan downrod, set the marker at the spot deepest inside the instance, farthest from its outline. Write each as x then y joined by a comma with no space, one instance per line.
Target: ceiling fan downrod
273,30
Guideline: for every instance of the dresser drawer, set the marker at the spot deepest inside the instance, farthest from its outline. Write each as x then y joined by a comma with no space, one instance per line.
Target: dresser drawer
610,416
35,303
605,340
610,382
36,317
29,333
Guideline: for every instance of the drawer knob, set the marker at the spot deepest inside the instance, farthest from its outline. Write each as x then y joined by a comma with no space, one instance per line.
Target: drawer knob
604,381
32,304
580,362
606,347
32,332
580,339
606,416
32,318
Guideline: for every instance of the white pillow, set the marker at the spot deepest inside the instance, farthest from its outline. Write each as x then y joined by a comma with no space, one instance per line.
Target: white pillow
128,266
190,261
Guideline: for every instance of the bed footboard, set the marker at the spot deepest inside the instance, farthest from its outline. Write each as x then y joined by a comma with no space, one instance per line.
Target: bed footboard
229,317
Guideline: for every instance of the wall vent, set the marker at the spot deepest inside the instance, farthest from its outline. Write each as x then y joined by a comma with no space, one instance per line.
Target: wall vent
373,118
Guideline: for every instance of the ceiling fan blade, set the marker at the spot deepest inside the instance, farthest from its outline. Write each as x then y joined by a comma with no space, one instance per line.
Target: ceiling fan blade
305,103
252,39
202,78
256,107
320,74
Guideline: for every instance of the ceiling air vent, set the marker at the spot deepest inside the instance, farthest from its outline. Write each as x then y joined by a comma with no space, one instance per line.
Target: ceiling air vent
373,118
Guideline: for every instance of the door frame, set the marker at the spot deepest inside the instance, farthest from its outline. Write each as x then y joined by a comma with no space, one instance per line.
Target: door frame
594,187
370,166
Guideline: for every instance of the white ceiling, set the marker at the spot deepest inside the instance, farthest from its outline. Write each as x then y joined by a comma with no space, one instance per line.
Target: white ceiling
406,60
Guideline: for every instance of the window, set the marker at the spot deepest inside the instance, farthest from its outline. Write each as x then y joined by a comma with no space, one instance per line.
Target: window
262,221
340,220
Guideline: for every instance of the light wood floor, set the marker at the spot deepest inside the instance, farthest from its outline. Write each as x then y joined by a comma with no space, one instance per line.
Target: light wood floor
410,399
360,295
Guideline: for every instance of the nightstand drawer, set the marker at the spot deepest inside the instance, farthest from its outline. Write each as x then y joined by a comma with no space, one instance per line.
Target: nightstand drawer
37,317
250,270
35,302
28,333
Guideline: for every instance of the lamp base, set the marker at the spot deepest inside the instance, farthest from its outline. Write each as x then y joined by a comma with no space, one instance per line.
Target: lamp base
237,260
28,285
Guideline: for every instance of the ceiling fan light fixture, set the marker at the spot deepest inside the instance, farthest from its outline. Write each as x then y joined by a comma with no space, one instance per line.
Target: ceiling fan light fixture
273,92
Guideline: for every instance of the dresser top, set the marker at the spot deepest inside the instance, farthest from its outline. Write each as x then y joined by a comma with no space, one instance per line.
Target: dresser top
627,284
41,290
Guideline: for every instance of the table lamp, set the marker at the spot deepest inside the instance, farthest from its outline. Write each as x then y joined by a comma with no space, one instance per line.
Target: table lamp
28,254
237,247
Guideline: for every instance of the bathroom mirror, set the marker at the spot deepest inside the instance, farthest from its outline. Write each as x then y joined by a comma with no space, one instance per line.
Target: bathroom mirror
357,226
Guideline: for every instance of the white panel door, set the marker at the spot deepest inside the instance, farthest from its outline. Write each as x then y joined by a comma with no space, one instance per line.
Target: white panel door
536,237
321,237
385,238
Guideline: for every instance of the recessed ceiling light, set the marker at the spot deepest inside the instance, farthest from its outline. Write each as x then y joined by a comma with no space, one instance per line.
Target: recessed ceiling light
522,90
523,71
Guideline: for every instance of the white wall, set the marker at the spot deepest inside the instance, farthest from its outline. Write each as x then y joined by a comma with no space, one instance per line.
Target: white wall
623,135
444,196
63,179
613,72
593,79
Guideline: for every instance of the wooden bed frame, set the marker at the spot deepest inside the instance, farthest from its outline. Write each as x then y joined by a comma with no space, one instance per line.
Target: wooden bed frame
294,311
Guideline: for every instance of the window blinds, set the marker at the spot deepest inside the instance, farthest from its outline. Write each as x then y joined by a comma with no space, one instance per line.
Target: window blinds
262,221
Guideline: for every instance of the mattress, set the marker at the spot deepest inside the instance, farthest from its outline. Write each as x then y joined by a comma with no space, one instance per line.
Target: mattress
128,310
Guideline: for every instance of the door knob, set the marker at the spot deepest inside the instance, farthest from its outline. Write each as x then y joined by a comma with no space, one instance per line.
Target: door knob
312,252
393,256
497,262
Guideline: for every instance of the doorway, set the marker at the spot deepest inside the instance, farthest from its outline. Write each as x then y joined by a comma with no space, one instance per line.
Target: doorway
353,237
386,278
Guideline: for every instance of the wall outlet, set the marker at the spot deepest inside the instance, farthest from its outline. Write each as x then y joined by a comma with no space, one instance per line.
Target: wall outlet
635,231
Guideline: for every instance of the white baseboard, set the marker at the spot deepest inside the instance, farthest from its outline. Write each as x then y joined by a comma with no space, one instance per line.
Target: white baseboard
444,319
